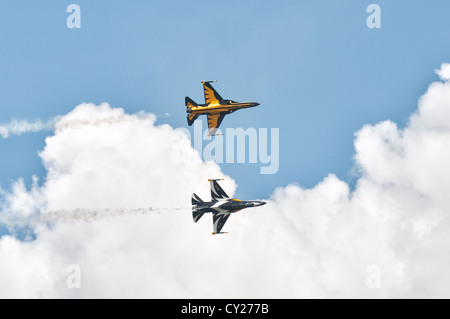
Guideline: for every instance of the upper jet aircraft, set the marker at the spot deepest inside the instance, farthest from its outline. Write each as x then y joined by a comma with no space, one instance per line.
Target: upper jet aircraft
215,107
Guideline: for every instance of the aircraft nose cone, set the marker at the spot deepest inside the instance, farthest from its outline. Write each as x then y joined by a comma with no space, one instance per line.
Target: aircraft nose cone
256,103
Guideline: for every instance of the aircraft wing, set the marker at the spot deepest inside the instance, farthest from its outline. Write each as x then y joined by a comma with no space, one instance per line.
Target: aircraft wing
216,191
219,219
211,95
214,121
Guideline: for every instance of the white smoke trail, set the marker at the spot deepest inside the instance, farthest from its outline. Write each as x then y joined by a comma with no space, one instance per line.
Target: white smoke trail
89,215
14,222
79,123
87,116
19,127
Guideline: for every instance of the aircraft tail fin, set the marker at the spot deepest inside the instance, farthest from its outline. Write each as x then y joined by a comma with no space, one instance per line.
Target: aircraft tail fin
196,200
189,105
189,102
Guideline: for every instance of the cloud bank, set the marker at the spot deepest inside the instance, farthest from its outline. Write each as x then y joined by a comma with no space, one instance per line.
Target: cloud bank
386,238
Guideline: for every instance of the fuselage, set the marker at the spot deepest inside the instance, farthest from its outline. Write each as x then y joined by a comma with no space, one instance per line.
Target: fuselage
228,206
228,106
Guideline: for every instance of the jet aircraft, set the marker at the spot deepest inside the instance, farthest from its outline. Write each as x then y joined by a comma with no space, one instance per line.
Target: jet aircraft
221,206
215,107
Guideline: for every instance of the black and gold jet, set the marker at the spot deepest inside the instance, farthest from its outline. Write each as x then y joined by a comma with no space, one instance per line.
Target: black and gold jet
215,107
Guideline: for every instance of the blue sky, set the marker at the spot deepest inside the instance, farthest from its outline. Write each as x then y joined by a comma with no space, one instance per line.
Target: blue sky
318,71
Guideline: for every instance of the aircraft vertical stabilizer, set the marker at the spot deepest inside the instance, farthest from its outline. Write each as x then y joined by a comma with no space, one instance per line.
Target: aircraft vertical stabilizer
195,201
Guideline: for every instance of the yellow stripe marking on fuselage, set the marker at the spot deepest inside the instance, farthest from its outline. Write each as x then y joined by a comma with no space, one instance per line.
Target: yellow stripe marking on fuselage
217,108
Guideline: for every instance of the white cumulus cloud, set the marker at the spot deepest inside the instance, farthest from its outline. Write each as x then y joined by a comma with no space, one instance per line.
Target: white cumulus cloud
386,238
444,72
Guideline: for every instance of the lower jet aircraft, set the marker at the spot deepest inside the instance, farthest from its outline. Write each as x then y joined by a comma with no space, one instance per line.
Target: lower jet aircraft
221,206
215,107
